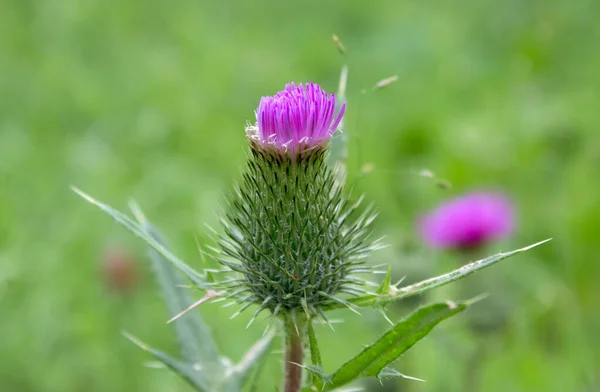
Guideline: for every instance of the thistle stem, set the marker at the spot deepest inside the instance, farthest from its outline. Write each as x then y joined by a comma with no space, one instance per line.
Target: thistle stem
293,355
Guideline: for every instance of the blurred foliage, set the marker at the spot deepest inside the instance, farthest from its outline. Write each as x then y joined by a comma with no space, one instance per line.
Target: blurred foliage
149,100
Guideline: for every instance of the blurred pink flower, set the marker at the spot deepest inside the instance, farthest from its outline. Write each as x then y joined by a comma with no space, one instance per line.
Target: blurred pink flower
119,271
468,221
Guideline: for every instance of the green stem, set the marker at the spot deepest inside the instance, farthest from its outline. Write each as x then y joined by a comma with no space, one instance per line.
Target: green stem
293,355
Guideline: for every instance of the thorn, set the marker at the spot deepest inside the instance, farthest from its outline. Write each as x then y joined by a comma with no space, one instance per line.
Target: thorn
379,272
325,319
273,317
379,266
260,309
534,245
295,322
412,378
277,309
210,294
235,293
88,198
211,229
476,299
399,281
246,306
341,301
385,316
304,305
268,326
135,341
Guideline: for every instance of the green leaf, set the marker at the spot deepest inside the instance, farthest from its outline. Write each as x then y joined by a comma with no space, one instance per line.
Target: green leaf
375,357
128,223
384,287
315,353
397,294
192,373
195,340
316,370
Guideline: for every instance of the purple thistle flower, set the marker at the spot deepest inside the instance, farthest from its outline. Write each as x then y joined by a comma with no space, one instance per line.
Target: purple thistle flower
468,221
295,119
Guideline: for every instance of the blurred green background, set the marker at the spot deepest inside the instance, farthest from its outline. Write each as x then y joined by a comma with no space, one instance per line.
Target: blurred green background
148,100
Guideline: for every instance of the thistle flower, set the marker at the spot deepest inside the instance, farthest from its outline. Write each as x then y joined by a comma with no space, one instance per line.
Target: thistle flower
295,119
290,232
468,221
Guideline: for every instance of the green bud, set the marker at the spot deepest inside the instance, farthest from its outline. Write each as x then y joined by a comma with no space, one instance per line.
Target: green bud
289,233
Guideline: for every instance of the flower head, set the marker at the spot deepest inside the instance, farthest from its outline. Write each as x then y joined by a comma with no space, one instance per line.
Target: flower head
295,119
292,237
468,221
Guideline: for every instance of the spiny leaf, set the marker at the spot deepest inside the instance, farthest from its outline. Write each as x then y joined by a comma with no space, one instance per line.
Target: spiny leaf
195,340
315,353
255,355
128,223
192,373
429,284
316,370
393,343
210,294
384,288
196,343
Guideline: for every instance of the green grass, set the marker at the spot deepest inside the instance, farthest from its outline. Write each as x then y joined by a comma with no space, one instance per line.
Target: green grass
149,100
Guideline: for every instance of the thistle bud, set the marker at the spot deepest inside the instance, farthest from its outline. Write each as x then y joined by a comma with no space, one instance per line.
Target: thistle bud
290,232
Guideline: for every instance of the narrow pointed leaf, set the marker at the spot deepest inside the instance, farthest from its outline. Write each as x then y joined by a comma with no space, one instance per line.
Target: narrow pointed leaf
131,225
253,358
195,340
432,283
196,343
375,357
384,288
192,373
315,353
